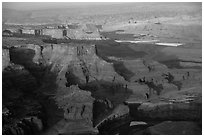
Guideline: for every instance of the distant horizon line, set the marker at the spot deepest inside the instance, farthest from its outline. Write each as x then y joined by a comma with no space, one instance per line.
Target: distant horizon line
22,6
33,6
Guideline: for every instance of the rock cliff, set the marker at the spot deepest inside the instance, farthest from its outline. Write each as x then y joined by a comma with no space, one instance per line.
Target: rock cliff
66,66
79,59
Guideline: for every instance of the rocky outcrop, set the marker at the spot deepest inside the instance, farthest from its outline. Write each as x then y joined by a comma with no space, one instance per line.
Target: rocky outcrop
174,128
5,58
166,111
81,60
77,104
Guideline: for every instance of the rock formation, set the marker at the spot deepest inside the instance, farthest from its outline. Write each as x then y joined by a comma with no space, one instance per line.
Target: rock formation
173,128
5,58
68,62
166,111
84,89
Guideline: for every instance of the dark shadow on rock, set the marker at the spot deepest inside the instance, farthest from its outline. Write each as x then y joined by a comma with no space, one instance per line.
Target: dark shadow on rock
27,85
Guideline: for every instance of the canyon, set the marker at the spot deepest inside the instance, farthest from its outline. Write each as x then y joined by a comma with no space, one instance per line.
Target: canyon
71,85
118,69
